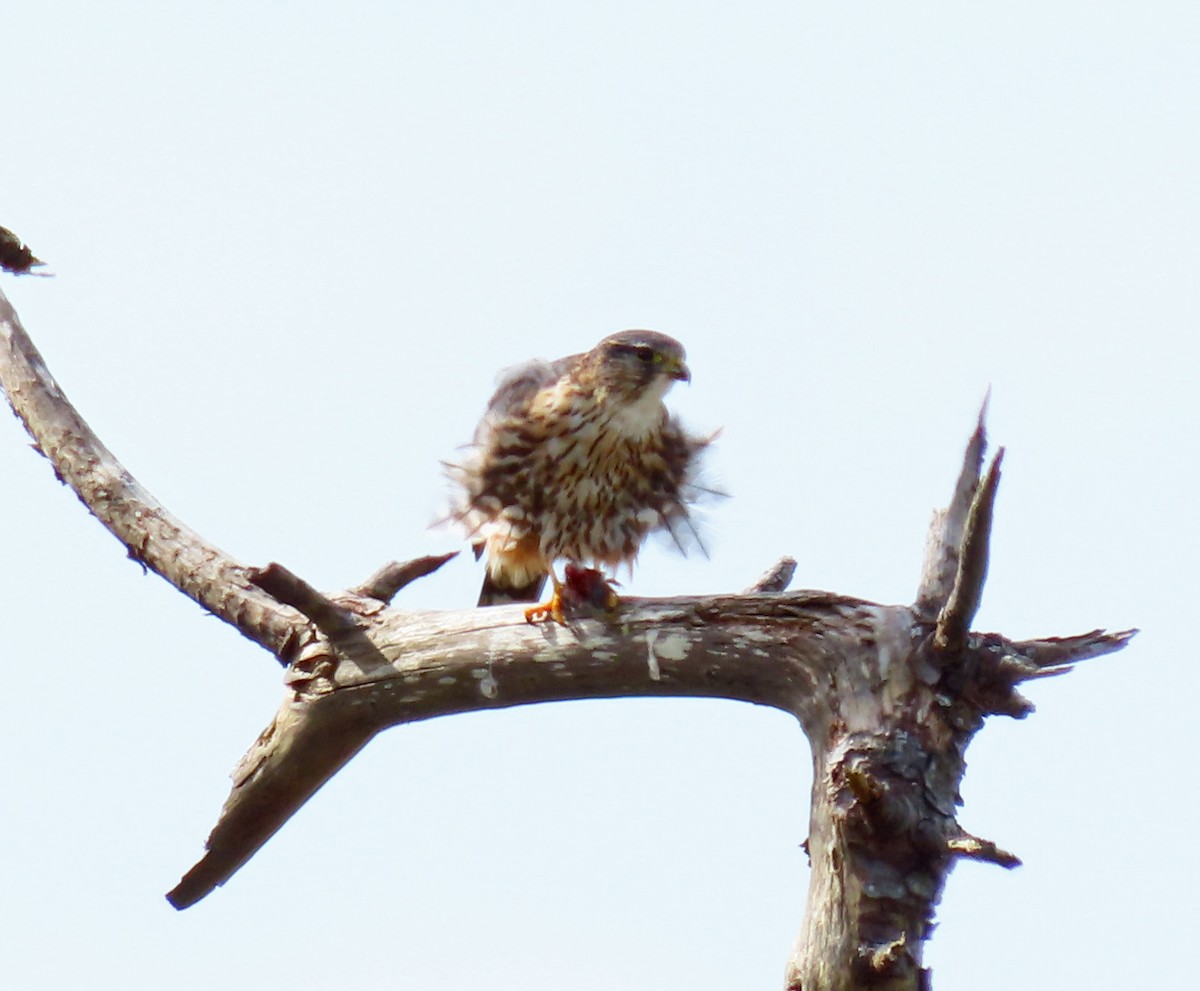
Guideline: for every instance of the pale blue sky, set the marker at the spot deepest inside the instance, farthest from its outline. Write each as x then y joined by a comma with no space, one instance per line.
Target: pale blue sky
293,243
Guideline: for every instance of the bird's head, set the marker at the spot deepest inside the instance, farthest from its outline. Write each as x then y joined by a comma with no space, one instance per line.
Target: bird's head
636,364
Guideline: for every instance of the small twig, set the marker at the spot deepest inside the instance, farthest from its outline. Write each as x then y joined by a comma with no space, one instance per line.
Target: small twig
974,848
391,578
1055,652
292,590
776,578
954,620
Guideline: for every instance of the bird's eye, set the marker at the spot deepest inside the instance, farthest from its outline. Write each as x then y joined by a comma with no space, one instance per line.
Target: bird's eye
644,353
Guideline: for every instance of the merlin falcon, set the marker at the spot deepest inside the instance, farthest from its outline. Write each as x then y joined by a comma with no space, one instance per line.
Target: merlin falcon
578,460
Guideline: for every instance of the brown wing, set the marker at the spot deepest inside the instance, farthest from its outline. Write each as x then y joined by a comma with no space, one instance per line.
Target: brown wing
515,389
516,386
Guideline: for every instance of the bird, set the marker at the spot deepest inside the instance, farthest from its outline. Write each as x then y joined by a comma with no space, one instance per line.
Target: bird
578,460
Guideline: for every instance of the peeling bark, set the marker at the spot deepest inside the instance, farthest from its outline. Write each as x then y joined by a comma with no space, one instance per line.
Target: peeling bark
888,696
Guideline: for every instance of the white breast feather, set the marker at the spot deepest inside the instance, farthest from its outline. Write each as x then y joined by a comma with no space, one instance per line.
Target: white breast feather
644,415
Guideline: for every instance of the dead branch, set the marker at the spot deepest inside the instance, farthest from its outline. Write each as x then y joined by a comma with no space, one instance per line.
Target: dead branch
889,696
946,529
776,578
392,578
954,620
151,535
966,845
333,621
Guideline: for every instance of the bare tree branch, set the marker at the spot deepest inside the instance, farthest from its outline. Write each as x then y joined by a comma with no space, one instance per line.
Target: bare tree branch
336,623
947,527
1053,652
391,578
151,535
954,620
270,783
889,696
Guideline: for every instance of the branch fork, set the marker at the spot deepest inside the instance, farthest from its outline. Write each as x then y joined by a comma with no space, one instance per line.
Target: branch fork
889,696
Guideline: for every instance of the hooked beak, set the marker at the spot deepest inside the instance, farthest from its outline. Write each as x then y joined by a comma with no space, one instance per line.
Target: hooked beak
679,371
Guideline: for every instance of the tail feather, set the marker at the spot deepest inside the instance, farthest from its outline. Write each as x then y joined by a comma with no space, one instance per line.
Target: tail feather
496,594
499,592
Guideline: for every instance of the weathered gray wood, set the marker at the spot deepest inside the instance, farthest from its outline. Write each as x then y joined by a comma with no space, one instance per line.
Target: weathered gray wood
151,535
400,667
948,526
966,594
776,578
888,696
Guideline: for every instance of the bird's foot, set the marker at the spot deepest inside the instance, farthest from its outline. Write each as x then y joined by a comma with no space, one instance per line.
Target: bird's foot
581,588
550,609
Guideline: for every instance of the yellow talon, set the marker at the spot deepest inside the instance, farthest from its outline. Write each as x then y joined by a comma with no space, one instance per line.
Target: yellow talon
550,609
582,588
